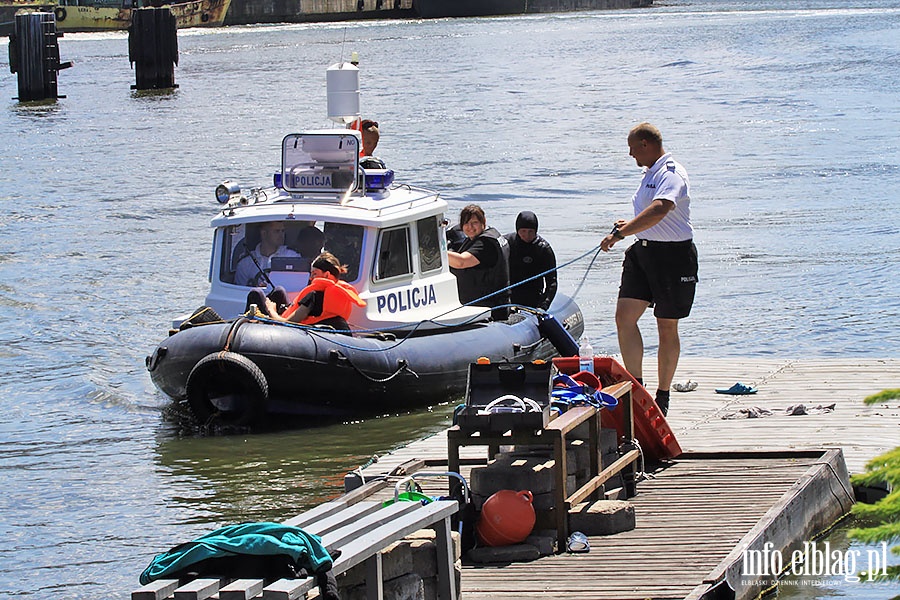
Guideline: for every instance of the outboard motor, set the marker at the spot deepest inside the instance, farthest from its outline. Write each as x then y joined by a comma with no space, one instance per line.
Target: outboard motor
556,334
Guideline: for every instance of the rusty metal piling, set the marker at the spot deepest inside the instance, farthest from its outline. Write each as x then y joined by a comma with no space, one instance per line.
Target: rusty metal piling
34,56
153,48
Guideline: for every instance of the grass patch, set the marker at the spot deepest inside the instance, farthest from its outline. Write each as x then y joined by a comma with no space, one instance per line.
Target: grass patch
883,396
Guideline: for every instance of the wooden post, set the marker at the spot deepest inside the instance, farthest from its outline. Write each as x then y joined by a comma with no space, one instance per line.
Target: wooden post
34,56
153,48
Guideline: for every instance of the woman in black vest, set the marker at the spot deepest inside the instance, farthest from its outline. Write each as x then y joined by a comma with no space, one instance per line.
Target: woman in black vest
481,265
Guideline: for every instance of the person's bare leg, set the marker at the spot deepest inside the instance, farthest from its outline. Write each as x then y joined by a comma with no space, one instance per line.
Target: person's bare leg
669,351
631,344
667,360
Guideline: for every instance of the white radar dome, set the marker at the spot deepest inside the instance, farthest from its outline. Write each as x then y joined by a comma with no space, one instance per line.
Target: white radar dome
342,83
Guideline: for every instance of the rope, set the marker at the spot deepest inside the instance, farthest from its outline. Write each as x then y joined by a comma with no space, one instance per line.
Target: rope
595,249
641,473
359,470
402,366
313,330
231,332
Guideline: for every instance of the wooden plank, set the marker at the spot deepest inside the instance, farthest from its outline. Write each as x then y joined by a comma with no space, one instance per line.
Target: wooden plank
366,537
155,590
350,515
370,540
595,482
242,589
198,589
733,472
321,511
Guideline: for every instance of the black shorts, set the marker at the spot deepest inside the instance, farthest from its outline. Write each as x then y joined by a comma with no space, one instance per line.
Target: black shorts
662,273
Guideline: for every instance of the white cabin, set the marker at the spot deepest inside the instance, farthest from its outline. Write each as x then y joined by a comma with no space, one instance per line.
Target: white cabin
391,237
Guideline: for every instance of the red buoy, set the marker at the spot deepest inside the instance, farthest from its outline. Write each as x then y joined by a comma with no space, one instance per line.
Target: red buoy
507,518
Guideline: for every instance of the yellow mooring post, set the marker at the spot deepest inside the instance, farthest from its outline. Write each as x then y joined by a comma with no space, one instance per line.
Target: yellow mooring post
153,48
34,56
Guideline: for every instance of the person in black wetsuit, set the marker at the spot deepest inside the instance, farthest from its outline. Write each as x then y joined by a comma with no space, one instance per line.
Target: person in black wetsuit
530,255
481,264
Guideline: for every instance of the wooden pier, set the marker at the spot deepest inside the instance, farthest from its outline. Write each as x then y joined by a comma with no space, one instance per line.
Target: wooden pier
741,481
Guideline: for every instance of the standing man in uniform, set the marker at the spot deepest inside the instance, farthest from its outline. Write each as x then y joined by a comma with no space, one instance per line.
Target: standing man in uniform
660,268
529,256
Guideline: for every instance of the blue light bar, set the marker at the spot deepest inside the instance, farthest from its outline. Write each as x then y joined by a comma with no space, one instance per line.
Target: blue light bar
379,179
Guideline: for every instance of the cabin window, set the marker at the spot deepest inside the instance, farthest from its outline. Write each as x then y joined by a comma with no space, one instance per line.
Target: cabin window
301,243
393,254
232,251
429,235
345,242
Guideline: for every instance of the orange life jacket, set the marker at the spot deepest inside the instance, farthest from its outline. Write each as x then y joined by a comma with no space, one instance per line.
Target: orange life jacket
338,301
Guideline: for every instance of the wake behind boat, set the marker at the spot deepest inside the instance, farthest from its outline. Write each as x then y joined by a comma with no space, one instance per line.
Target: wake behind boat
412,342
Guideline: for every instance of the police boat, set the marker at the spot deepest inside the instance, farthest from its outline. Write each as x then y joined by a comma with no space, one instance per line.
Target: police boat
412,342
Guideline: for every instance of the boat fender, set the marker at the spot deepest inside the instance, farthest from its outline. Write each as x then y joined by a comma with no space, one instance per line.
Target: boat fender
60,13
557,334
227,388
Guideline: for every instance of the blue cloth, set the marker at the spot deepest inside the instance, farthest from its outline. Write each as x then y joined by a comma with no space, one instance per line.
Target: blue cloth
568,392
258,539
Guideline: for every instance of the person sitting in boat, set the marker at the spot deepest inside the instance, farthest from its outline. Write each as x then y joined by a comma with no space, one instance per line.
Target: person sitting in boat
481,264
252,269
530,255
310,241
327,300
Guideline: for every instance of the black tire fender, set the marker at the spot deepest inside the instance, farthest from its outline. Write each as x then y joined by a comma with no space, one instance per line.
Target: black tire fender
227,388
60,13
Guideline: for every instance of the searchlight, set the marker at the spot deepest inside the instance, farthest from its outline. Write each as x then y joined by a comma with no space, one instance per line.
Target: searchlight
227,190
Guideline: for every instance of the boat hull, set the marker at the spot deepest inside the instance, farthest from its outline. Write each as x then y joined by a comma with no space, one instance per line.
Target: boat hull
312,372
433,9
197,13
244,12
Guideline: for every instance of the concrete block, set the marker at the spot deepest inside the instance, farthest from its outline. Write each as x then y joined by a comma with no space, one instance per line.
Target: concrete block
615,493
430,534
531,450
578,457
431,583
504,554
581,432
608,440
405,587
424,558
534,474
602,517
545,520
544,541
397,560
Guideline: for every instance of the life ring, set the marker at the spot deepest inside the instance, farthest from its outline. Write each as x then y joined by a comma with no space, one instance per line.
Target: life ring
227,388
60,13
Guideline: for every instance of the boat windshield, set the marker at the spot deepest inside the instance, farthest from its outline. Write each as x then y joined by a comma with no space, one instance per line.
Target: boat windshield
320,162
283,250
